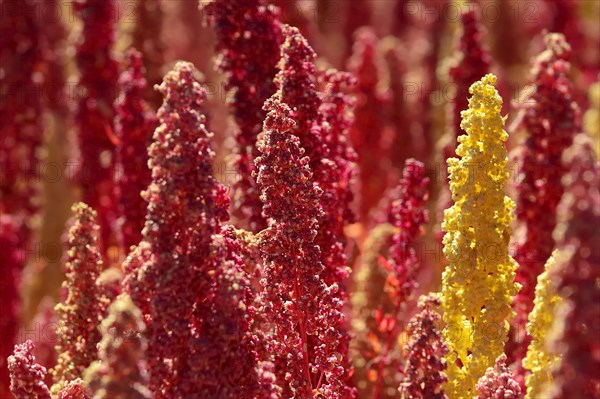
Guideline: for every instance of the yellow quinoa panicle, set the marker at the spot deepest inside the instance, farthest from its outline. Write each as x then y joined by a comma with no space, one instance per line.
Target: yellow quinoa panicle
478,283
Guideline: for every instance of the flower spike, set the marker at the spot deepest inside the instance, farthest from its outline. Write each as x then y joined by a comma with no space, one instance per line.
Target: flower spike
540,360
300,302
426,349
577,236
551,118
95,112
82,310
478,283
134,125
498,383
246,31
119,371
27,378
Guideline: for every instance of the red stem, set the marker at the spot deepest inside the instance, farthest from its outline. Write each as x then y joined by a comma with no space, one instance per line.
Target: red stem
320,380
388,346
303,337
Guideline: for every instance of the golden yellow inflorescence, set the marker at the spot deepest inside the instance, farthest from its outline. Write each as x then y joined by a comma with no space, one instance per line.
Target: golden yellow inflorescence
478,283
540,361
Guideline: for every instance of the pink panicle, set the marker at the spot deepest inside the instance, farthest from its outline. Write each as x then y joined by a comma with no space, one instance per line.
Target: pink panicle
247,30
287,246
570,19
425,364
408,140
147,38
369,129
10,270
180,162
225,363
75,390
134,125
55,32
298,300
296,85
321,125
119,372
407,213
473,64
139,293
422,34
322,121
498,383
95,113
182,197
82,310
22,44
577,237
27,377
191,279
551,118
334,173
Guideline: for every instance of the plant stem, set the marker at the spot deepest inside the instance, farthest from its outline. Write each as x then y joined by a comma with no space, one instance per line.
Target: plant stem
384,355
